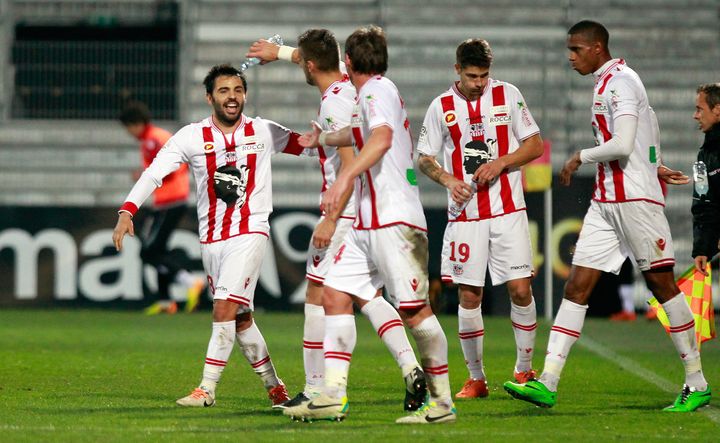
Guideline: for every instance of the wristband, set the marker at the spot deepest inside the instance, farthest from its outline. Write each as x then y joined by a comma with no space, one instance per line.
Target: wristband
322,138
285,53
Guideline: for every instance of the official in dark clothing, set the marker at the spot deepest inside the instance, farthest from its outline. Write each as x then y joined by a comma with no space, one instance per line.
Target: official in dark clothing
706,207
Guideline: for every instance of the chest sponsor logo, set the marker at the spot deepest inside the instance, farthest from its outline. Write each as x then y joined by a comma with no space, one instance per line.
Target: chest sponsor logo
450,118
208,148
599,108
497,120
250,149
502,109
356,120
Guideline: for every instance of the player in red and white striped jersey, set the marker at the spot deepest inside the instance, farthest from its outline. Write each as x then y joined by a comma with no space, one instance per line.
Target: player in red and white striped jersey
229,155
388,245
318,55
485,132
625,217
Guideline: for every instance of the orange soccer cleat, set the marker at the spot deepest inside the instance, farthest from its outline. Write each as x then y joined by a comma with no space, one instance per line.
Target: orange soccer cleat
525,376
278,396
623,316
473,388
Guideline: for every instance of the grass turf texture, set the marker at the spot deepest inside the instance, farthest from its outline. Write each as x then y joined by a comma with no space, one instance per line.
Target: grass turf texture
114,376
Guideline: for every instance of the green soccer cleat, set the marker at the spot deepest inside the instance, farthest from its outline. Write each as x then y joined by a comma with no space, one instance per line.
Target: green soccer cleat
690,399
533,391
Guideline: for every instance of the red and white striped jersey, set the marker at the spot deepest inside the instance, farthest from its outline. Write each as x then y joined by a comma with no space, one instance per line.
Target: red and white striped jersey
619,91
336,107
387,193
499,120
206,148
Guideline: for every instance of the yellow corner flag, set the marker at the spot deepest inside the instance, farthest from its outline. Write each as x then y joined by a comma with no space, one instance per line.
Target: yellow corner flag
698,293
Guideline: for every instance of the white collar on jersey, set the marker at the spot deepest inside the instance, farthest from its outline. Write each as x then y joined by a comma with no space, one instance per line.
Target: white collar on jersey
607,66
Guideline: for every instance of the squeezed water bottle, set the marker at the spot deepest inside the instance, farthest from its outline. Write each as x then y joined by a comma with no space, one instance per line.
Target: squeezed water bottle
455,208
700,178
252,61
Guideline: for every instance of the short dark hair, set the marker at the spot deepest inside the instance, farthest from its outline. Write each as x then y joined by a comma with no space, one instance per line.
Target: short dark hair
320,46
474,52
134,112
220,71
712,93
367,50
592,31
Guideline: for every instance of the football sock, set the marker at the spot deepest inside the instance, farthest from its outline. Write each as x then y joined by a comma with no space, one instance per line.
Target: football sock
524,323
313,358
252,344
682,332
627,297
218,353
433,348
563,334
390,329
471,331
339,343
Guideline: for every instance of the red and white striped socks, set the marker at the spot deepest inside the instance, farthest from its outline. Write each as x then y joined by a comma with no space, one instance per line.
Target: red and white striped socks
524,323
252,344
564,333
433,348
682,333
218,353
390,329
313,355
339,343
471,331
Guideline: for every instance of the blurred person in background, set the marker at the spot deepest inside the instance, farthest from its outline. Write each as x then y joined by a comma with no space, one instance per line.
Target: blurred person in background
706,205
626,216
168,208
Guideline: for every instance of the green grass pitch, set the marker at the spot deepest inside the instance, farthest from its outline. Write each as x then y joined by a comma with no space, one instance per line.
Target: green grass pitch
92,375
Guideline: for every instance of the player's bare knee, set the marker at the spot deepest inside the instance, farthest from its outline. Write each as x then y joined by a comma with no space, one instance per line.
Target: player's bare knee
576,293
224,310
413,317
470,297
243,321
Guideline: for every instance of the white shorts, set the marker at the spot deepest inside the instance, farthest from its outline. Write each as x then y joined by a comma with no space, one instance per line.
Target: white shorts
233,268
612,231
500,244
319,260
395,257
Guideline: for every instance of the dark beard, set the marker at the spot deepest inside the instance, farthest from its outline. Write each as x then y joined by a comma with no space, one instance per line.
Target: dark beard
220,114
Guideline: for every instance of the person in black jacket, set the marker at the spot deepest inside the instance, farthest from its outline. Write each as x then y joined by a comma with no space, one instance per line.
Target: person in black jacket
706,208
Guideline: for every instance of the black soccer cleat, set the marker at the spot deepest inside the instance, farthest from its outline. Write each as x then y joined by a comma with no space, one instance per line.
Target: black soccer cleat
415,390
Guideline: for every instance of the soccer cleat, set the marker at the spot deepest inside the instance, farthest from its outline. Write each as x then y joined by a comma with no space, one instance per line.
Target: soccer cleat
166,306
430,413
198,398
473,388
193,295
651,313
533,391
278,396
623,316
298,400
690,399
322,407
415,390
526,376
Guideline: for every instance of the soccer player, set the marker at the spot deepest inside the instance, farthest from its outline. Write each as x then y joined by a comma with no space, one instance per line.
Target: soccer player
229,154
318,55
625,216
169,205
485,132
388,243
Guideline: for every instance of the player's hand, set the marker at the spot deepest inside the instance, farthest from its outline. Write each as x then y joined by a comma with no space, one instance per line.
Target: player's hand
701,264
333,196
459,190
264,50
672,177
323,234
571,165
311,139
124,226
488,172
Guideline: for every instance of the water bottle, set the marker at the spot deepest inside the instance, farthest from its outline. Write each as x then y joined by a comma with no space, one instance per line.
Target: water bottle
700,178
252,61
455,208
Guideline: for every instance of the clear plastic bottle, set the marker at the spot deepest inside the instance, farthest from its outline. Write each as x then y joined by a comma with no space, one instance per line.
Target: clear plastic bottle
455,208
700,178
252,61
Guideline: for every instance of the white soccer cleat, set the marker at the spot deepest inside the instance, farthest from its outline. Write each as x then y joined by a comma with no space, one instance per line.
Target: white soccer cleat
322,407
199,398
430,414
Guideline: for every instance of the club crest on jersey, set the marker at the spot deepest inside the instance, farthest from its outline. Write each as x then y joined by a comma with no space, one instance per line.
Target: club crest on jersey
450,118
458,269
208,148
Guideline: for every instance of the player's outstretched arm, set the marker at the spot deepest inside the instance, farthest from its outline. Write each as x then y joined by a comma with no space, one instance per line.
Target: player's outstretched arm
317,137
459,190
123,226
269,52
529,149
